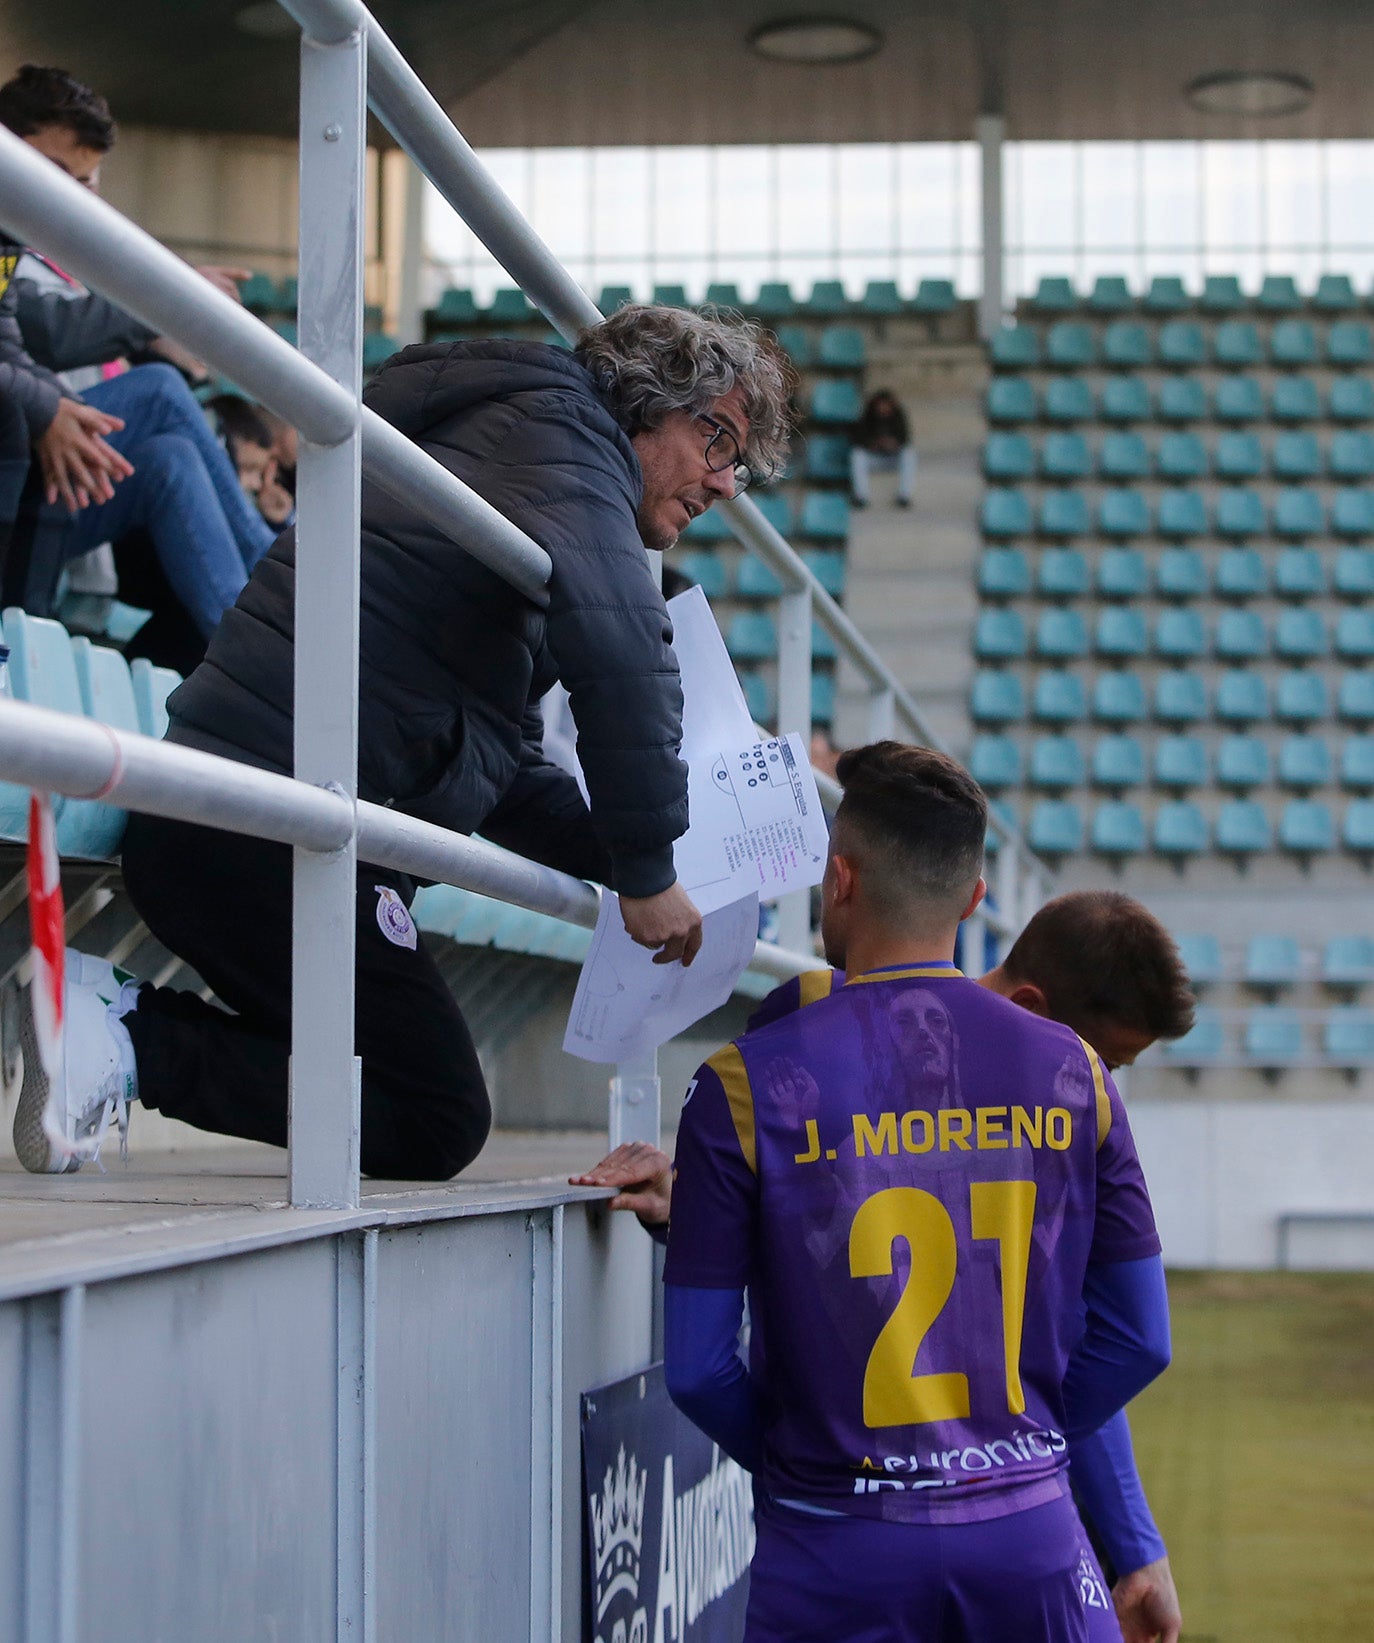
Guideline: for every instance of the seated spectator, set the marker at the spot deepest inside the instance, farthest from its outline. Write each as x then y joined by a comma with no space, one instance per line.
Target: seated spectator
249,440
882,439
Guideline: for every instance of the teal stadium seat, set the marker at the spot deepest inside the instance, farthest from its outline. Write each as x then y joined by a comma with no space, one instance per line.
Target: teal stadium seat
286,330
1069,346
758,697
795,342
1221,294
1237,399
1056,828
1352,513
1065,456
827,458
1118,698
1004,811
707,570
823,646
1239,513
1304,762
995,762
1204,1045
842,348
1241,698
613,297
1181,573
1123,456
752,637
1181,399
1349,346
377,349
1182,345
1005,513
1357,827
1008,457
1236,344
1298,456
1353,575
1010,400
1004,573
774,300
828,566
999,635
1167,294
1063,514
1120,634
1298,573
1201,955
1348,1037
1125,345
828,298
1180,635
258,294
1295,399
881,297
1181,763
1118,763
1061,634
1300,697
1182,515
1124,400
1273,1038
1110,295
1242,763
996,698
1355,698
509,306
1122,573
1351,399
756,580
1278,294
776,509
1299,634
1355,635
1357,764
1180,457
1351,454
1067,400
1123,513
723,294
1239,636
822,698
1306,828
1056,764
671,296
934,297
1292,345
1180,697
152,686
1014,348
824,516
1298,512
1242,828
1348,961
1059,698
1238,456
1240,574
1118,829
1180,830
836,401
707,527
1334,294
1055,295
1062,574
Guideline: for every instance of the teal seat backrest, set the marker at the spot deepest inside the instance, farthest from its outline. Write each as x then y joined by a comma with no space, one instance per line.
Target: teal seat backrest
152,687
14,800
88,827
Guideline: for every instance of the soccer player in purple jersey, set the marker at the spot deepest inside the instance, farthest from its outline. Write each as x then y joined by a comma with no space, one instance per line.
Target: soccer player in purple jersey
934,1201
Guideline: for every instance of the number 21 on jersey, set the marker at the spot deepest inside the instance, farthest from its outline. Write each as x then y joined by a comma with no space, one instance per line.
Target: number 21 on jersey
1002,1212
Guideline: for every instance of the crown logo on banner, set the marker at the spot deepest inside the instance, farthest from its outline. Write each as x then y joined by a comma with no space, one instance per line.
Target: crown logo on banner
618,1530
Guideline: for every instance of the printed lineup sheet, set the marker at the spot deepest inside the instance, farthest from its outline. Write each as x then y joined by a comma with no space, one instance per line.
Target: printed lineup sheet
756,831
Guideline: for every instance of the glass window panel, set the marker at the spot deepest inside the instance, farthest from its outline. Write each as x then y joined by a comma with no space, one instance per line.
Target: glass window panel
620,202
1292,194
560,201
968,197
743,191
927,196
1110,202
1348,220
681,191
1171,198
806,200
1048,203
865,197
1231,182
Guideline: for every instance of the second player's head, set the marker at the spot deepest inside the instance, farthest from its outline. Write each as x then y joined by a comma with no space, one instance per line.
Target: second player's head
1104,965
906,849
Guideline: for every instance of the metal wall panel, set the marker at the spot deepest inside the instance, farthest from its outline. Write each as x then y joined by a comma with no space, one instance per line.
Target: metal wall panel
207,1460
11,1468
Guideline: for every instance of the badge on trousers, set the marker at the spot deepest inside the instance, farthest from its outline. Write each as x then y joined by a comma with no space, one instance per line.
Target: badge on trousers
393,918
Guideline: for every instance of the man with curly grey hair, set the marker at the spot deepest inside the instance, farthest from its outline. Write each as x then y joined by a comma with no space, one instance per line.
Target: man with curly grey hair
595,454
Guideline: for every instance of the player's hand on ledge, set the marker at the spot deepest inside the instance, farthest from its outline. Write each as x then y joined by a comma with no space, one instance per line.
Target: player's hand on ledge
1147,1605
667,922
644,1176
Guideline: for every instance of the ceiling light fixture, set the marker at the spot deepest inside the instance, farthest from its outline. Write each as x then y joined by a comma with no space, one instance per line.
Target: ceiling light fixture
1250,96
812,40
265,20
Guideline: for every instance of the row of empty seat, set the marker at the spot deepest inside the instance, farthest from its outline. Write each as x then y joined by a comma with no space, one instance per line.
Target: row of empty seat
752,636
1179,513
1062,633
1063,456
1220,294
1274,962
1117,762
823,516
1179,400
1181,828
761,697
1177,574
1275,1038
1184,345
749,578
1179,696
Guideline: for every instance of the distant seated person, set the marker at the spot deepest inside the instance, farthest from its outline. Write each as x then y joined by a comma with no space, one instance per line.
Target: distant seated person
133,451
250,440
824,754
882,439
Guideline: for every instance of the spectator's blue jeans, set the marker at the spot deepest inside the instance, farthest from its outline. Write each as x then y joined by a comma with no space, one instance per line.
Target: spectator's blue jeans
183,491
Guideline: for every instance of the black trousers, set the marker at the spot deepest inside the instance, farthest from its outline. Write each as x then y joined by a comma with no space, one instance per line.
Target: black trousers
222,902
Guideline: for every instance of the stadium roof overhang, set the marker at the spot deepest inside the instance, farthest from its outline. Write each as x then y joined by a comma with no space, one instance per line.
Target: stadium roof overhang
590,72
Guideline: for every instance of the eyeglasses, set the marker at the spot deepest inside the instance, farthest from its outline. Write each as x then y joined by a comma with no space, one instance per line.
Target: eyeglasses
722,452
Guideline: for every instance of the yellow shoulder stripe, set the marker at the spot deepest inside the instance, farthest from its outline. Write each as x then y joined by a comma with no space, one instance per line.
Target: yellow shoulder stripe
815,985
1104,1106
728,1066
945,970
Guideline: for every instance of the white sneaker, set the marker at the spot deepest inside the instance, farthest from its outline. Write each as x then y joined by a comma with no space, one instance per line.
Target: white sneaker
55,1132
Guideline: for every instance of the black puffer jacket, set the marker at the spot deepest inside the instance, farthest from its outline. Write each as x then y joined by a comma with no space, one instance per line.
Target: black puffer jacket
453,660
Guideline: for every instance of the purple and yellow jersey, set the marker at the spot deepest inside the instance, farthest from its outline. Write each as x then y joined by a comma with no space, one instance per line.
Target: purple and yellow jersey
910,1175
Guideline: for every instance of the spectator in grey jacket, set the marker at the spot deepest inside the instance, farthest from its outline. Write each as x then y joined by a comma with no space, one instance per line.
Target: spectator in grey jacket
596,456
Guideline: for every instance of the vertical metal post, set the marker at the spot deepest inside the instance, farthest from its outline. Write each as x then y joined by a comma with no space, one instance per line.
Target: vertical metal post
992,132
325,1074
52,1466
410,314
882,714
794,714
355,1502
1008,895
546,1423
636,1099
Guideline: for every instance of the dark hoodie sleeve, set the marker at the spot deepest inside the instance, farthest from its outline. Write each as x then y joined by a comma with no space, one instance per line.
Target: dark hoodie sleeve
65,329
37,390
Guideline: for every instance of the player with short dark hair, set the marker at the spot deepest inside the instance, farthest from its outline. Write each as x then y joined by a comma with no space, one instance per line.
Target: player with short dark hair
921,1187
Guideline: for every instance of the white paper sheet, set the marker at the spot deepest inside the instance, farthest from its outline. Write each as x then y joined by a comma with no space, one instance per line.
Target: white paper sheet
626,1005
